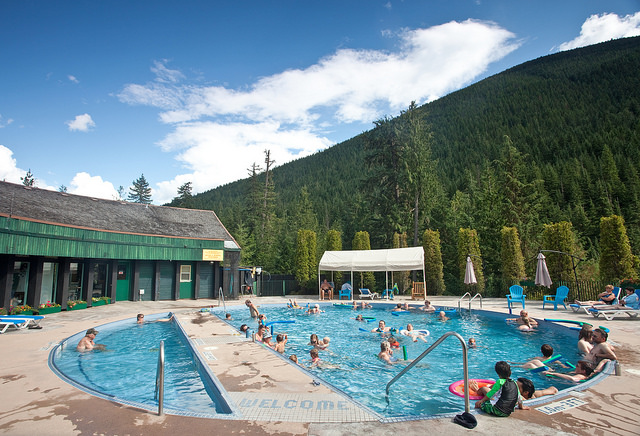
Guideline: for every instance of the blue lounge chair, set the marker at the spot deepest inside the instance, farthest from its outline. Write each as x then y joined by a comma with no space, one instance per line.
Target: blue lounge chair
516,295
561,294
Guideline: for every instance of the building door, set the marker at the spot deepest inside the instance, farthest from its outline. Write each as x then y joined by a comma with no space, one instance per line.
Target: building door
145,280
206,280
167,281
20,283
123,285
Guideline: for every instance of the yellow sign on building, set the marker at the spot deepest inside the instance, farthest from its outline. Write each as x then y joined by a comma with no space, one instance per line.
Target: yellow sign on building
213,255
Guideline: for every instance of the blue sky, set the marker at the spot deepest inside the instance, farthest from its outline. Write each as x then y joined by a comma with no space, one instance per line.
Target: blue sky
95,93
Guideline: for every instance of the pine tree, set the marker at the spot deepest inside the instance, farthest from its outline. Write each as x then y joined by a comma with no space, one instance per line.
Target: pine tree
28,179
140,192
184,194
433,262
616,260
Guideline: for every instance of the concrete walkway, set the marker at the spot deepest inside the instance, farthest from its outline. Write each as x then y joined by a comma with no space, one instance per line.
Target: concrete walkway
36,401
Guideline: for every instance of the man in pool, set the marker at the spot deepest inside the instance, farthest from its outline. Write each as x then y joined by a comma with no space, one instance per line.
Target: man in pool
382,328
87,343
601,349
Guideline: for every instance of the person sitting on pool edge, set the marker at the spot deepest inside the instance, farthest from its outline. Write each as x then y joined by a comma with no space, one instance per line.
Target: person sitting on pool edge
87,344
502,398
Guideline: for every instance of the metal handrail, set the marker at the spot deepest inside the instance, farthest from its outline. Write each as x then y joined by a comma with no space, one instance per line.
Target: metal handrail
474,297
466,294
221,296
159,392
427,351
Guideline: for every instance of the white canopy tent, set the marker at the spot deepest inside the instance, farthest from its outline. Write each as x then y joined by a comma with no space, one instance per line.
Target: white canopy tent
394,259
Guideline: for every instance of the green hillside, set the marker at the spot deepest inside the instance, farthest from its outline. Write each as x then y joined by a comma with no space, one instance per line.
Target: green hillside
554,139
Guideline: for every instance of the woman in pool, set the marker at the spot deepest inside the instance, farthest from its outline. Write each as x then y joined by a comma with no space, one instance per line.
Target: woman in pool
386,354
582,372
428,307
585,339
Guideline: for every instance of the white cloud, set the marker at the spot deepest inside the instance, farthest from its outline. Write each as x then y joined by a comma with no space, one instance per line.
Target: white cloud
9,171
600,28
82,123
5,123
73,79
219,132
92,186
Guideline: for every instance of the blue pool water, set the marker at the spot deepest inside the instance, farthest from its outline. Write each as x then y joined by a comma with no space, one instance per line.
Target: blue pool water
356,370
127,371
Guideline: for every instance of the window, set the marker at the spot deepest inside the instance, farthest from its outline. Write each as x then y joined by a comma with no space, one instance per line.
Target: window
185,273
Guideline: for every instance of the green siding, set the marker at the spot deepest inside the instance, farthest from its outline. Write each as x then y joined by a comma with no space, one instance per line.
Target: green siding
37,239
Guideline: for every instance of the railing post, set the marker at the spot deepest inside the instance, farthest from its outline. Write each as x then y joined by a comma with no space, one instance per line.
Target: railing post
159,393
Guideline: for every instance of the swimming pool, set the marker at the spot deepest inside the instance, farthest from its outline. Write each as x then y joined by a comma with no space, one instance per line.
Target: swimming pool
355,369
126,373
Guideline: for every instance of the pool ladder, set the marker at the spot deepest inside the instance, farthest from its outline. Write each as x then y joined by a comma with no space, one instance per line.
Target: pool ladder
470,300
221,296
465,366
159,393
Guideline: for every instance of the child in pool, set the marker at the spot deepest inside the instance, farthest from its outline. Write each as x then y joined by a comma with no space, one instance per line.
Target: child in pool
393,342
315,358
503,397
281,341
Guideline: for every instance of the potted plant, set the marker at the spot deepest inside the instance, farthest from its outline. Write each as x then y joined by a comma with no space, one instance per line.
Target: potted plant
100,301
48,307
76,305
23,309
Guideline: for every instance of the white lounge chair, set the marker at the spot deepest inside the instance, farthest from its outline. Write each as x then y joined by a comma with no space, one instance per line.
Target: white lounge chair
609,314
586,308
366,293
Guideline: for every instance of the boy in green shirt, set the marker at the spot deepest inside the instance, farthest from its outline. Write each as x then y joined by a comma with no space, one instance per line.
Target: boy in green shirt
504,395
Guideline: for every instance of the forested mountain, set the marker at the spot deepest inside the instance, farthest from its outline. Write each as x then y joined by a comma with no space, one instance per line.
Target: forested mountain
554,139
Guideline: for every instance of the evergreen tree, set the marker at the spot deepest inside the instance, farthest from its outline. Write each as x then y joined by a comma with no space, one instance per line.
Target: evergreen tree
560,237
511,255
433,262
28,179
140,192
184,194
616,260
306,264
361,242
469,245
334,243
62,188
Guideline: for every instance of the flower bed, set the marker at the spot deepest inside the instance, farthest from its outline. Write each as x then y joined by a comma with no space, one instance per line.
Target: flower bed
49,309
76,305
24,309
101,301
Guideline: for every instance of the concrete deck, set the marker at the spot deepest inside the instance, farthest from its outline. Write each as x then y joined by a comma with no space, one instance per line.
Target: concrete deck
272,398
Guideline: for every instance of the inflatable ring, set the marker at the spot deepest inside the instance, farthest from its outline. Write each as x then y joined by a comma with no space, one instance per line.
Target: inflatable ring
457,388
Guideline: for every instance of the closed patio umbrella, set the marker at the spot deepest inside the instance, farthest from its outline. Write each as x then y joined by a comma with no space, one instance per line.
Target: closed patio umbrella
542,273
469,273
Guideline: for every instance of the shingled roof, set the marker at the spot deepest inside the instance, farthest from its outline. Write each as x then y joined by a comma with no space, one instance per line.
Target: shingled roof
22,202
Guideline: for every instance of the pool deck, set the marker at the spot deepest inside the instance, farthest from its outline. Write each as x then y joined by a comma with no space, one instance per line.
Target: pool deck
270,396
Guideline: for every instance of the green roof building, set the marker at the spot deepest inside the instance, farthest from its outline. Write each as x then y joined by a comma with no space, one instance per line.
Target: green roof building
59,247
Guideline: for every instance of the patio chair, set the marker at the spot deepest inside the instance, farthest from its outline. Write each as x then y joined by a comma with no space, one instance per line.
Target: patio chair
365,293
345,291
516,295
561,294
419,291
